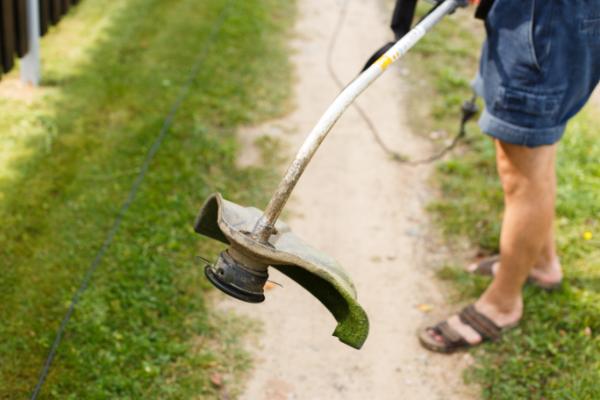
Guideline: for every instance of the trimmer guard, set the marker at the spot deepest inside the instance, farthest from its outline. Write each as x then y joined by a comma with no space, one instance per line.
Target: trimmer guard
318,273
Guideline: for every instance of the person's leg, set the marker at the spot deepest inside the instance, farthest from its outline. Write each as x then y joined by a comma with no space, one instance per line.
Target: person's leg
529,183
546,269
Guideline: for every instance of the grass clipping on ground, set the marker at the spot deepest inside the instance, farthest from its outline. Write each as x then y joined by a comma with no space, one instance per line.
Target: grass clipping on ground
111,73
555,353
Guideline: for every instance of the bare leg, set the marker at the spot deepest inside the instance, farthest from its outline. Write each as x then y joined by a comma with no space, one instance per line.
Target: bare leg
529,183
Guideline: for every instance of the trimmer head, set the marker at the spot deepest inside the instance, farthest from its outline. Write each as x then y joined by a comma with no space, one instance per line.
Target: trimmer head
241,270
236,280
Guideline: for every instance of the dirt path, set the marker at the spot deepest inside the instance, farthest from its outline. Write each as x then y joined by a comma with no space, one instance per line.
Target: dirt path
367,212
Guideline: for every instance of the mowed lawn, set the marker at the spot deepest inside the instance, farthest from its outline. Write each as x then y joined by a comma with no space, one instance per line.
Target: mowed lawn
69,154
555,352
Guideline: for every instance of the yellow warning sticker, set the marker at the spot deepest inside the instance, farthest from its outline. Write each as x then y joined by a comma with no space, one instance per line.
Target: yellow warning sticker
384,62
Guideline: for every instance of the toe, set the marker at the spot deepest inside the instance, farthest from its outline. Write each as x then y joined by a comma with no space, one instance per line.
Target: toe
432,341
472,267
434,335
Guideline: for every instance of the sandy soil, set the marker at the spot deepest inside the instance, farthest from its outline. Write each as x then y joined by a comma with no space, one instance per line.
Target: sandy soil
366,211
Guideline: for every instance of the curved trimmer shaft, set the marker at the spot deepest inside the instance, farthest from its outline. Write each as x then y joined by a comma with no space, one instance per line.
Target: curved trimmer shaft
257,240
265,226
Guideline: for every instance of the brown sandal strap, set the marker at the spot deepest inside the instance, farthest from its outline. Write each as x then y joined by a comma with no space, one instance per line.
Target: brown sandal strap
452,339
486,265
480,323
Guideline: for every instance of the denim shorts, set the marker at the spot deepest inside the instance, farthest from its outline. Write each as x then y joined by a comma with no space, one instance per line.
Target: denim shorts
539,65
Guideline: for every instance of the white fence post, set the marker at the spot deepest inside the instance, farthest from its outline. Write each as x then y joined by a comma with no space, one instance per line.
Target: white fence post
30,63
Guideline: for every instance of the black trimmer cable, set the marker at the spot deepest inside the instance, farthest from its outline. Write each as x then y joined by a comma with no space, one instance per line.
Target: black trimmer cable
469,107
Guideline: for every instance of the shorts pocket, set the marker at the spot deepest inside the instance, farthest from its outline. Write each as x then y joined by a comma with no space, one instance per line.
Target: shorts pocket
510,28
523,102
531,37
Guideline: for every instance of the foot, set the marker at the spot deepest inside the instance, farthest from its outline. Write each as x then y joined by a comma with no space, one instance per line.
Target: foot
547,273
464,333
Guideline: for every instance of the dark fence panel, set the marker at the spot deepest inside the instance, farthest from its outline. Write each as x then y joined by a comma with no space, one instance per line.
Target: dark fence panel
7,34
14,41
22,37
44,6
55,11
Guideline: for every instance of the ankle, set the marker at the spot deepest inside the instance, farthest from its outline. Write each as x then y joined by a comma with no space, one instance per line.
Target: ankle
500,308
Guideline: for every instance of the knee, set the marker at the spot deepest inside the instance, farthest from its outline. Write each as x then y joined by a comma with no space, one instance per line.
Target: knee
527,174
513,181
524,181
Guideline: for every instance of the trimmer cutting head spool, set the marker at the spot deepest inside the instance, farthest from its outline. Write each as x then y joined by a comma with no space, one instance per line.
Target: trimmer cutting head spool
234,279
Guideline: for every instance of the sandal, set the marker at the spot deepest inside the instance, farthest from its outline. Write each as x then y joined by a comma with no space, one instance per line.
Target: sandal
452,340
485,267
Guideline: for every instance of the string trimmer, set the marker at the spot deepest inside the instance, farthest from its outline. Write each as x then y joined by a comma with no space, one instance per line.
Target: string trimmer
257,240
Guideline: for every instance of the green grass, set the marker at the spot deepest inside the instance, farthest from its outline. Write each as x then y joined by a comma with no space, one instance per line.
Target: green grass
111,72
555,353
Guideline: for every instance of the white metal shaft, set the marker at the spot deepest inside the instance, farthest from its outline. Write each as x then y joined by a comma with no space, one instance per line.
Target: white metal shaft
30,63
264,227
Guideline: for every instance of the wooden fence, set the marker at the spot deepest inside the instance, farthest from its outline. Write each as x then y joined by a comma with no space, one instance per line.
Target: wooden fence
14,30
